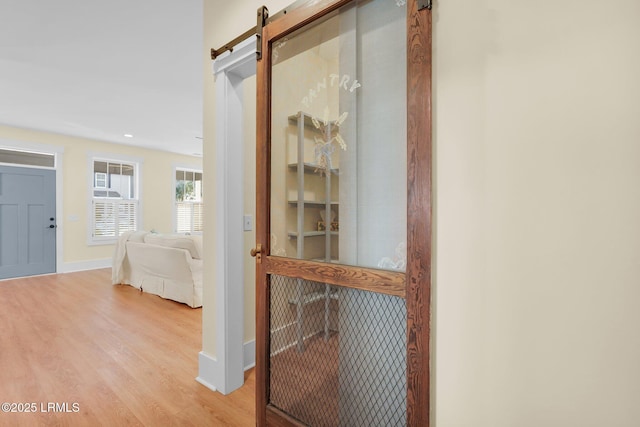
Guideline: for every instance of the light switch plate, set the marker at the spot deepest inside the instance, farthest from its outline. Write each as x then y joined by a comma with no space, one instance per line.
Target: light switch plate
248,223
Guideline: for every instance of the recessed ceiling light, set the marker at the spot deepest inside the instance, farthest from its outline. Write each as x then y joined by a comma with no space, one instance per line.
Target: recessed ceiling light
128,135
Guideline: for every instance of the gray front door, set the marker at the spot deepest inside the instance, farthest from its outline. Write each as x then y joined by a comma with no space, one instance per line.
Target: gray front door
27,221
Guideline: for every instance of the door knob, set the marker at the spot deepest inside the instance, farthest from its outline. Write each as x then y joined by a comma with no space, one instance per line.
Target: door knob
52,226
257,250
257,253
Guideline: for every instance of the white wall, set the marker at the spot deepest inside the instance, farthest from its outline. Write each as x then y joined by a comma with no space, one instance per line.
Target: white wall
537,269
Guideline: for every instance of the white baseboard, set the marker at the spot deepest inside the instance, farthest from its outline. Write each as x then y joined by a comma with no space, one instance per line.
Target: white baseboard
70,267
249,351
209,370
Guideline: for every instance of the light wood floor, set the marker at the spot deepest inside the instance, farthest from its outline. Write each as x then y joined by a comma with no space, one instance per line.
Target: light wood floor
124,358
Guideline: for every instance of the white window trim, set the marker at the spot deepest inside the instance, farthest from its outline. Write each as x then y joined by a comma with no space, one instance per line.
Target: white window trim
115,158
182,167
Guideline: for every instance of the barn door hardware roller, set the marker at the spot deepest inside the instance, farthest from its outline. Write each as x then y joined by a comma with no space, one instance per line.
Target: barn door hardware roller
263,15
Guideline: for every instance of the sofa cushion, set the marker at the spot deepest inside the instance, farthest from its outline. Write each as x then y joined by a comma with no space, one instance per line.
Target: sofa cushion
193,244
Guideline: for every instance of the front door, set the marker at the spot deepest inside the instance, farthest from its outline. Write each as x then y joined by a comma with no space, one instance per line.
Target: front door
27,221
344,214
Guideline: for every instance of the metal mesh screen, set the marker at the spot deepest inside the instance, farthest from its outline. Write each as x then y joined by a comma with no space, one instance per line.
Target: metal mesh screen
337,355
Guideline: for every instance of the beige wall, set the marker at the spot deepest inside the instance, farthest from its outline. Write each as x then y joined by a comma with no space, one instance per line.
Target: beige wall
537,164
249,122
156,184
537,269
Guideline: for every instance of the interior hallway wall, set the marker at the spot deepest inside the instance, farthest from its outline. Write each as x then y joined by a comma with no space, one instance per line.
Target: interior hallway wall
537,250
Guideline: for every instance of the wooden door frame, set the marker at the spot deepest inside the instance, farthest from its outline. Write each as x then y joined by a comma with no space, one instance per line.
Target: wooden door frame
419,217
419,204
224,372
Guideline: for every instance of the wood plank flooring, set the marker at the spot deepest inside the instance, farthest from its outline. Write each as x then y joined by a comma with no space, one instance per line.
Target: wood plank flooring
305,384
106,355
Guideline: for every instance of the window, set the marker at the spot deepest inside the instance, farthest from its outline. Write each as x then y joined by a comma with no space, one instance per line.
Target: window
27,158
115,204
101,180
188,200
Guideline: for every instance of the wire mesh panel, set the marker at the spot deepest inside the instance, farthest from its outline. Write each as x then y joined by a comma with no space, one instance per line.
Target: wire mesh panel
337,355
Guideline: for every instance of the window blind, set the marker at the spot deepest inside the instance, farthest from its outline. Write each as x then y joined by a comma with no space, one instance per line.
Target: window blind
111,217
189,217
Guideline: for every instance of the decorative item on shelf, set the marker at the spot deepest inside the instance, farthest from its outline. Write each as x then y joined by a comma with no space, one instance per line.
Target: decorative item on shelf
333,227
333,223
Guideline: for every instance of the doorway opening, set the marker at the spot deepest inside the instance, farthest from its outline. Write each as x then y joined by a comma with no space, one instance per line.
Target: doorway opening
30,180
235,198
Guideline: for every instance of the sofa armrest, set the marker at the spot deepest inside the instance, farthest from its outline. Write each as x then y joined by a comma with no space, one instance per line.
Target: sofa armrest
160,261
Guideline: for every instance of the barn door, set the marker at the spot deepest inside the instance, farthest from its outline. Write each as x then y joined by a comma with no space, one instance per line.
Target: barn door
343,205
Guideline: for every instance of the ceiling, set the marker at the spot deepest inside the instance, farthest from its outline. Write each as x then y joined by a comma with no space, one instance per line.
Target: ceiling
103,69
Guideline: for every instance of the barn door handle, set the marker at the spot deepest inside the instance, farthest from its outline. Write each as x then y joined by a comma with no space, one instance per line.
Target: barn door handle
257,252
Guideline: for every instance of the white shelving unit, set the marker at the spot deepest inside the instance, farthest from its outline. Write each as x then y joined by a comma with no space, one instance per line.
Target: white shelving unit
304,237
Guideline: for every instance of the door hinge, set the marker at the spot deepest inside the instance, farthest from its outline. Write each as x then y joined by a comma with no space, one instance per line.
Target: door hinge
263,15
425,4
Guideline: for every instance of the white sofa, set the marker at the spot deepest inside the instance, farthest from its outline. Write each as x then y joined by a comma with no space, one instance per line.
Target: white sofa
167,265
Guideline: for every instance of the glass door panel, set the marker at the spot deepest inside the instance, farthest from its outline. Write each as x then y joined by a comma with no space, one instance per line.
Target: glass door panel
338,138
